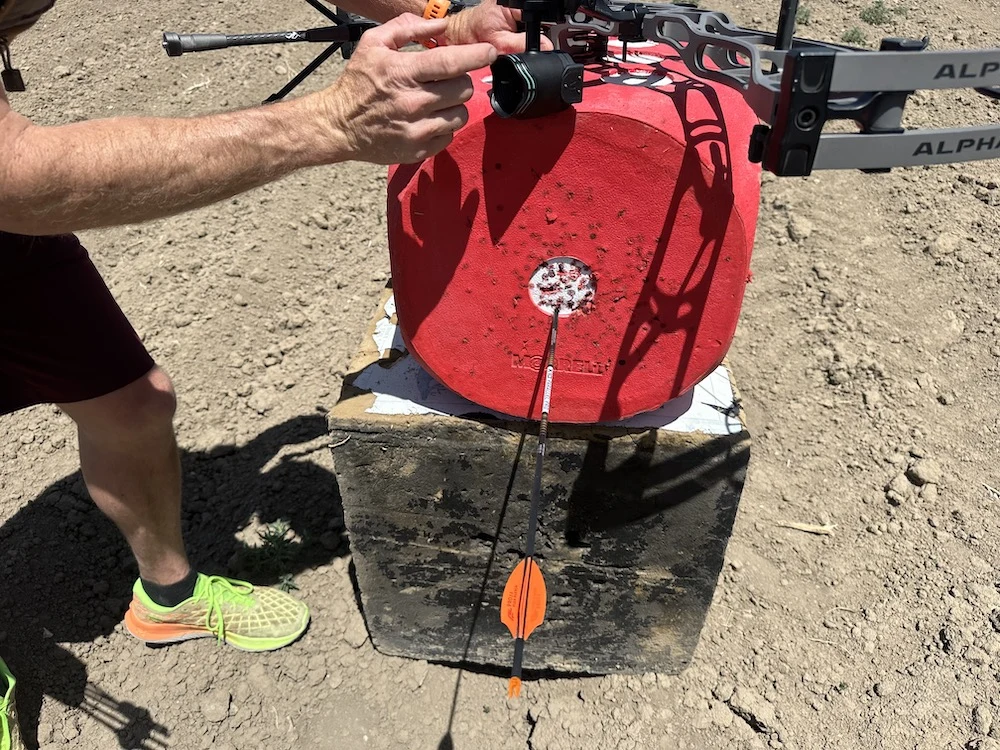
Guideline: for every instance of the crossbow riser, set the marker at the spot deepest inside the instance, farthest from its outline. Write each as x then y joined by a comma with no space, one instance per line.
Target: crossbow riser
795,86
796,91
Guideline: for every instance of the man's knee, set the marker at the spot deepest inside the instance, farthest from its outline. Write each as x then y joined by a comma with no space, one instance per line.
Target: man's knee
155,400
146,406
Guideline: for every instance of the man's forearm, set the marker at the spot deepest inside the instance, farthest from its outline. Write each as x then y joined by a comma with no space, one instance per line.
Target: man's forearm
126,170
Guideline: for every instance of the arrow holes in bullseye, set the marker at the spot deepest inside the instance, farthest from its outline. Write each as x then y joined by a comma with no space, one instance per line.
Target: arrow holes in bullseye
565,284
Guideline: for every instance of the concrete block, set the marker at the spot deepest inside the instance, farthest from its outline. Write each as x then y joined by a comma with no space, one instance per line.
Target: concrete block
635,518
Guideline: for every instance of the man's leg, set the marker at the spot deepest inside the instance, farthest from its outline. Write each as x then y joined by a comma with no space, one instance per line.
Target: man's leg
64,340
130,462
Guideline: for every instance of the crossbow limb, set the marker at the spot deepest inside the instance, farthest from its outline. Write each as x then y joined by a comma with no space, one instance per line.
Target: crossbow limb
795,86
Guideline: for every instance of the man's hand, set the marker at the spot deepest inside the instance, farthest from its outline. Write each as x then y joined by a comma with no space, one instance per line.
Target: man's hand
489,22
399,107
387,107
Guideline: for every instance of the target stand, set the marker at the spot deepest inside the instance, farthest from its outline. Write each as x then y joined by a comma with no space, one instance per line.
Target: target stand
624,225
635,518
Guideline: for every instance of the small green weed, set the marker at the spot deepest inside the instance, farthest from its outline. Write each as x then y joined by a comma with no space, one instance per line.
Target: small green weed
274,555
853,36
804,15
878,13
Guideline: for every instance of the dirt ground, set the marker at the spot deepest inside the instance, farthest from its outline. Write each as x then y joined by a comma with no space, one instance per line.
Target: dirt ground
868,358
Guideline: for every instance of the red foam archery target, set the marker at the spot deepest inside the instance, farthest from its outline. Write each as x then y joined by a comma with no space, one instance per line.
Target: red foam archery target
644,192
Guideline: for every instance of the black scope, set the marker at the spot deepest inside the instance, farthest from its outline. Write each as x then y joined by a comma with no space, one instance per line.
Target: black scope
535,83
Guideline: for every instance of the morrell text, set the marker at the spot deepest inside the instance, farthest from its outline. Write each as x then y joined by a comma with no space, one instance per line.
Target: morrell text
563,364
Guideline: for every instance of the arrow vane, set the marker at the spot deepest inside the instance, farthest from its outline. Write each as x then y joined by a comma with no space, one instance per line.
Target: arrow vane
523,606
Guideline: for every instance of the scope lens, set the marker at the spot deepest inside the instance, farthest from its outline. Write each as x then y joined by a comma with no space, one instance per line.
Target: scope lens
509,85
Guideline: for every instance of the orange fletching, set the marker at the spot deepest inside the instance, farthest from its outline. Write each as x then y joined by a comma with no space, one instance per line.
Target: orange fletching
523,606
514,688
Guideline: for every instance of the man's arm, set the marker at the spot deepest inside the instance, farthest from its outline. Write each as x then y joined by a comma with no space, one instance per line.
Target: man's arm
386,107
123,170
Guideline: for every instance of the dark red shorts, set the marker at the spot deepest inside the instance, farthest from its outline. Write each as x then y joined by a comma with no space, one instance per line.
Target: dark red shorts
63,337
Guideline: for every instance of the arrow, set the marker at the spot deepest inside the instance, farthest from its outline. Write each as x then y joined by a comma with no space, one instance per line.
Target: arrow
523,606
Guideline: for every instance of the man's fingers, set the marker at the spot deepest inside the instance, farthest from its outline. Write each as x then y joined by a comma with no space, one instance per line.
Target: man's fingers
510,42
443,63
430,148
451,93
449,120
440,143
404,29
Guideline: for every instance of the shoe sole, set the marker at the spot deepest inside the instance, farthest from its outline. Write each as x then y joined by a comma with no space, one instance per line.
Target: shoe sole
14,731
163,634
10,732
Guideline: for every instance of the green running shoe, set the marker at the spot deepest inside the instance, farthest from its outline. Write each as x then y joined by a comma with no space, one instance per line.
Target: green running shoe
235,612
10,733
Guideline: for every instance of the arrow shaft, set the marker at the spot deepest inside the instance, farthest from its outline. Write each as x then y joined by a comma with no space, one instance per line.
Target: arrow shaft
521,627
543,433
522,611
518,658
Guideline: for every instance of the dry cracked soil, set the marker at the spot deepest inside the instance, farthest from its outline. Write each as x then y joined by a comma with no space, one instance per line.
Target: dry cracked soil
868,359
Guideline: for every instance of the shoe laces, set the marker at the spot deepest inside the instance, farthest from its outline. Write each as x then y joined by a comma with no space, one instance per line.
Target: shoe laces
220,591
6,698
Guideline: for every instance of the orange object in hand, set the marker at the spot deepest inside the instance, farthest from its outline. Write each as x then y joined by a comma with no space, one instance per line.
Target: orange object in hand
435,9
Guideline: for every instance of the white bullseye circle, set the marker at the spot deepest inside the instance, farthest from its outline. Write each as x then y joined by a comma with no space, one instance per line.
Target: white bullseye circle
564,283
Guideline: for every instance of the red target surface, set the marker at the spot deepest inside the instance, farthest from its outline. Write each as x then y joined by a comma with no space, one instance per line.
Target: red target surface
644,190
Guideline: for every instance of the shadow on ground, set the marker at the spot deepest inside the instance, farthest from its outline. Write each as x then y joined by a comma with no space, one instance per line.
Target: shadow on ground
67,574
